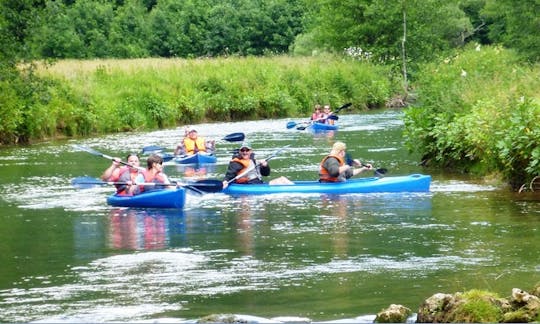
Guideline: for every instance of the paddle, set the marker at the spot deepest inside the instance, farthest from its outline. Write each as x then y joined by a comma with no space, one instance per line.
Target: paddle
380,172
240,175
94,152
200,186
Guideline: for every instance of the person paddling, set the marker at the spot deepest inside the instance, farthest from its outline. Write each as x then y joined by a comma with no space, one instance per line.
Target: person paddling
192,144
333,167
123,173
244,169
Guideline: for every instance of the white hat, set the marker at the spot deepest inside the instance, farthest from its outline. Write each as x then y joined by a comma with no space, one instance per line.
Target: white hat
246,144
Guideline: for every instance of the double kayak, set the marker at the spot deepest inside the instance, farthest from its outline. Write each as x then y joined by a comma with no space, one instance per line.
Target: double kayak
409,183
323,127
197,158
163,198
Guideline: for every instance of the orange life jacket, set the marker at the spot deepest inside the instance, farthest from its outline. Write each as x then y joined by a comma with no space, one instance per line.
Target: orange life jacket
193,146
245,164
323,173
151,178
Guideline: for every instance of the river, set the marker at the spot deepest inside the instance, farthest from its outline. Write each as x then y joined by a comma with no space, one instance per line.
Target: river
68,257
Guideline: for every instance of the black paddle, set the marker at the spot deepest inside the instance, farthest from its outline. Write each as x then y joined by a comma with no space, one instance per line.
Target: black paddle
380,172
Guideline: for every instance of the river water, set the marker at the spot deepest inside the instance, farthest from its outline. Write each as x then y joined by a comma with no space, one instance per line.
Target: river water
66,256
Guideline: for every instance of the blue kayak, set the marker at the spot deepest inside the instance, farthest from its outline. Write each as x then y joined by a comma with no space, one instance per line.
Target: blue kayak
164,198
197,158
409,183
323,127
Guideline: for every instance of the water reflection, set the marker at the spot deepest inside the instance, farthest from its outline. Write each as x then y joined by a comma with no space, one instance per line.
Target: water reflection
140,229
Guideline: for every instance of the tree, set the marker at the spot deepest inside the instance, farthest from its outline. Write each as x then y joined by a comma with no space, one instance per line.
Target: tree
516,25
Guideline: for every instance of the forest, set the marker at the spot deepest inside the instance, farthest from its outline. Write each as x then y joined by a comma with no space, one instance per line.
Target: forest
465,71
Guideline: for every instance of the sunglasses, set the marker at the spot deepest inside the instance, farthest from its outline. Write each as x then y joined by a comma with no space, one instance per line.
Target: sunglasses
245,150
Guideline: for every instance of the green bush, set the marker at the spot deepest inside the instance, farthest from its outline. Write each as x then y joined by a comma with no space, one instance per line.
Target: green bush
477,112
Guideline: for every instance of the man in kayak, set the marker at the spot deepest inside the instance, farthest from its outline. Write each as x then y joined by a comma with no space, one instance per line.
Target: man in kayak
118,173
334,169
192,144
244,169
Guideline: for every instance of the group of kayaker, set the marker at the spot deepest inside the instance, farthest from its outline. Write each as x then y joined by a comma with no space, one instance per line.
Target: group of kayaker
242,169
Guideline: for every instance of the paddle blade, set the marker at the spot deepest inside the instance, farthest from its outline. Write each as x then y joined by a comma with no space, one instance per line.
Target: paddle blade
152,149
345,106
86,182
207,185
291,124
234,137
380,172
333,117
167,157
86,149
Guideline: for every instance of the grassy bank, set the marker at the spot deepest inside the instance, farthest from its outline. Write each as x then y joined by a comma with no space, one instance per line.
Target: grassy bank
106,96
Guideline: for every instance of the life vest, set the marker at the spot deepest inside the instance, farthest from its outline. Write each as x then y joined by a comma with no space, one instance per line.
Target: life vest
193,146
126,174
253,174
324,176
316,116
151,178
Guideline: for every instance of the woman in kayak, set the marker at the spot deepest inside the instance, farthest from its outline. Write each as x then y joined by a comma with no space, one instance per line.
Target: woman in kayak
153,176
244,169
334,169
127,173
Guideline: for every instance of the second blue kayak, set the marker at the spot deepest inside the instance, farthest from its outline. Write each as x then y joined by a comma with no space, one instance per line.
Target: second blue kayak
197,158
409,183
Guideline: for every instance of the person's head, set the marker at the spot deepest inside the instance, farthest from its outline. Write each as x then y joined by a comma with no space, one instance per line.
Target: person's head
133,159
326,108
317,108
339,148
154,160
245,150
192,133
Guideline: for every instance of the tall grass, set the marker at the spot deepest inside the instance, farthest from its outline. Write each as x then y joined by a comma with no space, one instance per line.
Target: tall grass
106,96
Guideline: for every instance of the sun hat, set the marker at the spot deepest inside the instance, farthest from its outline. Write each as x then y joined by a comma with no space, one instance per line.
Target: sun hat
246,144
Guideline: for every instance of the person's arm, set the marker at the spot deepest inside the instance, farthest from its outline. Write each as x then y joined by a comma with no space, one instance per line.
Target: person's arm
112,170
136,189
180,149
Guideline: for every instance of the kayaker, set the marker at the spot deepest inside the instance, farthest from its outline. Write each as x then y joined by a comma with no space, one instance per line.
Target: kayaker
152,174
123,173
192,144
317,114
244,169
325,114
334,169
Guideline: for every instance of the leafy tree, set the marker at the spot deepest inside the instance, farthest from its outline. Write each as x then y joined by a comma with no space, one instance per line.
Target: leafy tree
432,26
130,31
516,25
178,28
